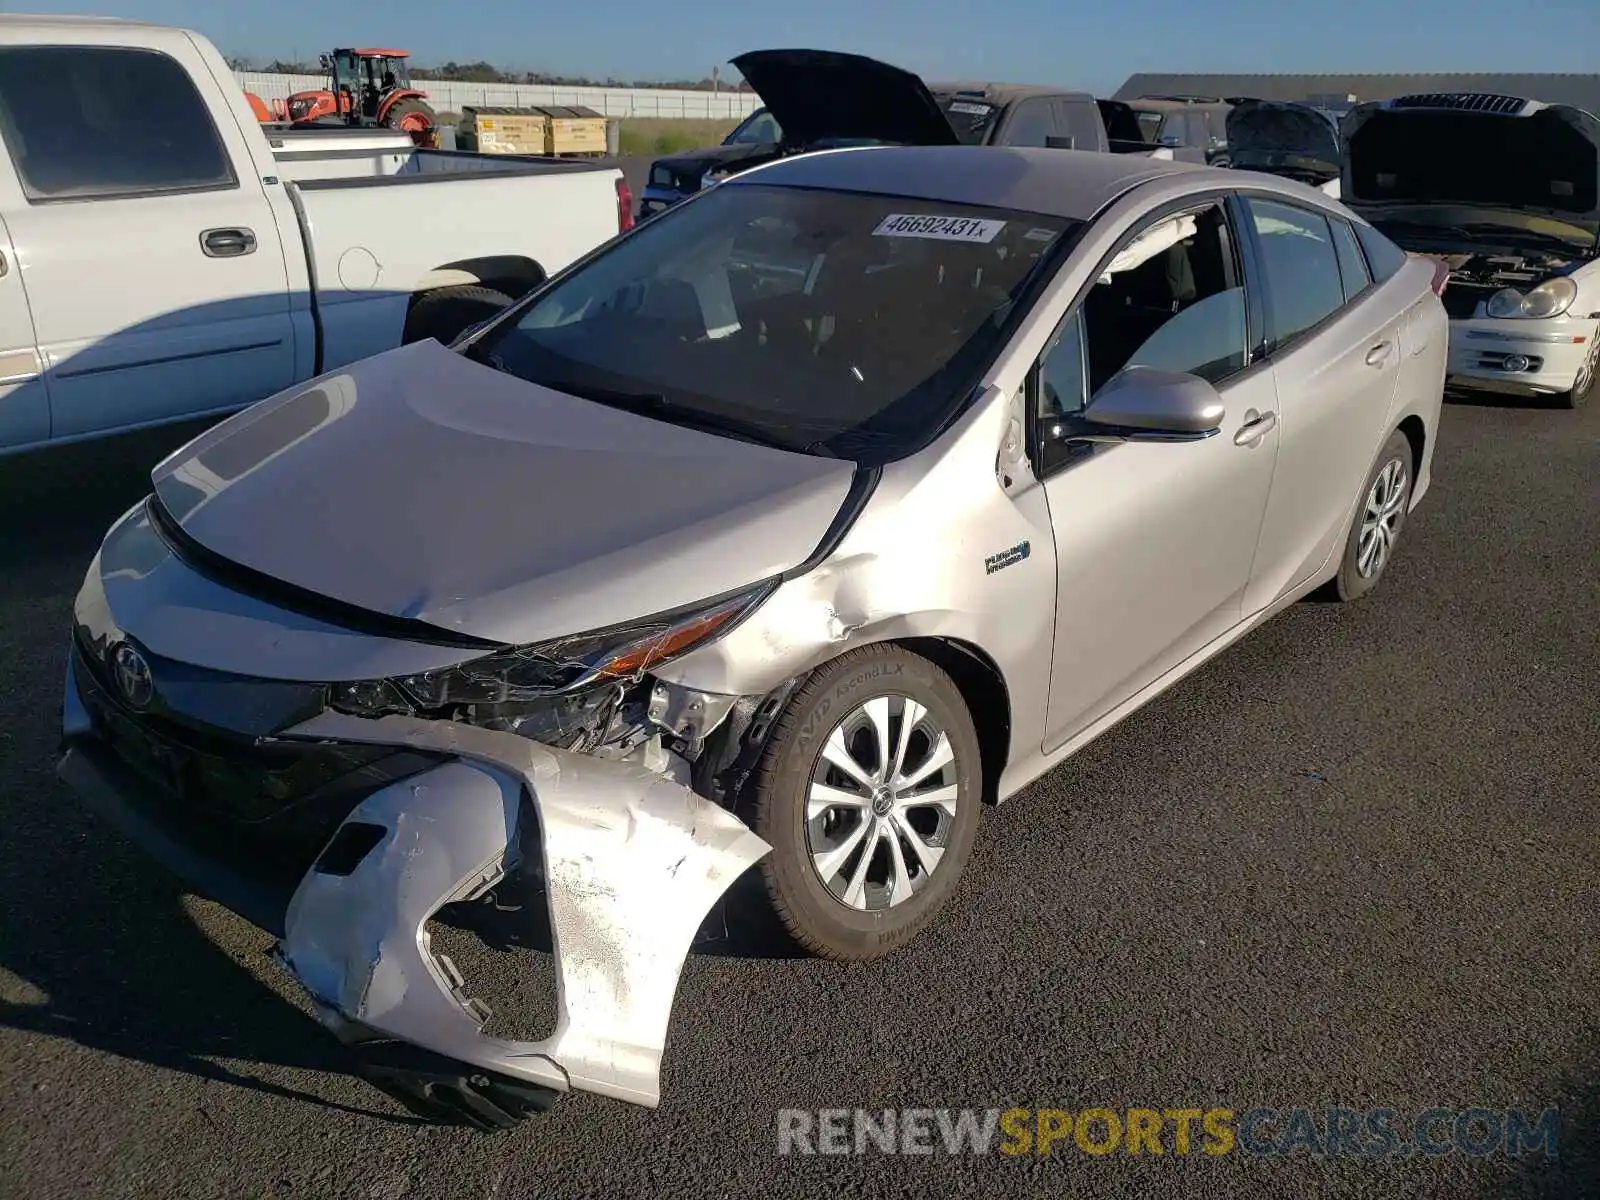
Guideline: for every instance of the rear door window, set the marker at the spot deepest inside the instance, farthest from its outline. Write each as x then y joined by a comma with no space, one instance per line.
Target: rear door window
84,122
1383,256
1301,267
1352,265
1080,121
1031,125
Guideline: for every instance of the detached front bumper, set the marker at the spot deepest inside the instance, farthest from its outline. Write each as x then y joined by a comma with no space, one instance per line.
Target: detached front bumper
1519,357
632,864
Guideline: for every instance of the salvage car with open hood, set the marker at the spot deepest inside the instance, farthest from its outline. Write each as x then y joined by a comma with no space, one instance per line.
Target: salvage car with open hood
824,100
1281,137
789,528
814,100
1506,192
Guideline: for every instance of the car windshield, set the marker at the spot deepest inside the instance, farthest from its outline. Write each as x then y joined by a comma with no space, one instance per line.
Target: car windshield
761,128
972,117
837,323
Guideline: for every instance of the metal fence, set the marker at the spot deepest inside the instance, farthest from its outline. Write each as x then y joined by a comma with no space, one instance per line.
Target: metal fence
453,96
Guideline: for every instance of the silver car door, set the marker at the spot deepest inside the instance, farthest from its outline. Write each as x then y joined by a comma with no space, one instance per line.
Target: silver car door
1335,344
1154,539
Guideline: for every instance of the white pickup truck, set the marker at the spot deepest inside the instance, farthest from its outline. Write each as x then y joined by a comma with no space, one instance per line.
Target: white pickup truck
164,256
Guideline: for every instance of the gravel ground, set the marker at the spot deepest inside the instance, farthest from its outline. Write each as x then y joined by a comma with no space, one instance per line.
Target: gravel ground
1352,862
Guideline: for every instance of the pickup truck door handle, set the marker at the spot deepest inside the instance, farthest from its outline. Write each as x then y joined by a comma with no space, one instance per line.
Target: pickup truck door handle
1379,354
227,243
1256,426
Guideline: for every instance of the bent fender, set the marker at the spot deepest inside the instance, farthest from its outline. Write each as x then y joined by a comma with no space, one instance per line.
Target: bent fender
633,862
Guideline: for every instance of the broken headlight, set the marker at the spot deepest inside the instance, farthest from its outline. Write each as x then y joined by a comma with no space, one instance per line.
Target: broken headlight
523,673
1550,299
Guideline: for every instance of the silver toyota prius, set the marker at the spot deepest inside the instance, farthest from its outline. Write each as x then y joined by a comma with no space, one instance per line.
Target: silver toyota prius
785,532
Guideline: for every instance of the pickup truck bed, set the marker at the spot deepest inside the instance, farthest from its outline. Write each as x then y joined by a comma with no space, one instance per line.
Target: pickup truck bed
156,271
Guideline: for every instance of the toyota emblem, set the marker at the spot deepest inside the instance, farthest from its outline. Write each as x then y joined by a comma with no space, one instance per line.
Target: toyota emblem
133,676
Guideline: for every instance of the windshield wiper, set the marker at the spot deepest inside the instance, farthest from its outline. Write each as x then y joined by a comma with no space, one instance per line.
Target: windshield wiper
657,404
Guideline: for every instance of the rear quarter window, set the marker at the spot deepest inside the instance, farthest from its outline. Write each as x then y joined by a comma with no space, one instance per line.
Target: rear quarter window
1383,256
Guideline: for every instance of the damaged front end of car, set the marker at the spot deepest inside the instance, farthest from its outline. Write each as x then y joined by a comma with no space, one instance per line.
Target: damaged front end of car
344,815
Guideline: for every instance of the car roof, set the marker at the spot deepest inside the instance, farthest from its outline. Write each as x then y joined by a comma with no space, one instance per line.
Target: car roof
43,23
1075,184
1005,93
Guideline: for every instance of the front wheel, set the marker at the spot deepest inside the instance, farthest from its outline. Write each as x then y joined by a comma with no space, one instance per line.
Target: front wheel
868,793
1385,501
445,313
1584,383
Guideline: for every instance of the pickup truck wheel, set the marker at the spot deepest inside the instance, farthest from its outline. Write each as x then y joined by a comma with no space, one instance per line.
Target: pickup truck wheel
447,311
868,792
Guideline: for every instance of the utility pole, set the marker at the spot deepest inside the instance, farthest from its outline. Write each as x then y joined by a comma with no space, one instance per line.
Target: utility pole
714,72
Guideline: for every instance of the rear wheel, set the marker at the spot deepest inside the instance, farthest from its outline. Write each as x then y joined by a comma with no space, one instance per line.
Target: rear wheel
447,312
868,793
1385,499
410,114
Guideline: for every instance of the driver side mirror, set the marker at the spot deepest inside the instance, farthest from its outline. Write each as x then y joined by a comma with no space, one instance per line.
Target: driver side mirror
1146,404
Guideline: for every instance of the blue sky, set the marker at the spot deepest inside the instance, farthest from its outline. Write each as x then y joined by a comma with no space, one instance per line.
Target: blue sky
1093,45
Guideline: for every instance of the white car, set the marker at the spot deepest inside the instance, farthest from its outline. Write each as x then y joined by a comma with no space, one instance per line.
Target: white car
1506,192
164,257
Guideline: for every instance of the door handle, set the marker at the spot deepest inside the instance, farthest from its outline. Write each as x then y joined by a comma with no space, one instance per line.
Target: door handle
227,243
1379,354
4,266
1256,426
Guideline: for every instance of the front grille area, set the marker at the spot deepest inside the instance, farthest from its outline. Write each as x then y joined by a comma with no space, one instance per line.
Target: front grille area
1482,102
1495,360
281,795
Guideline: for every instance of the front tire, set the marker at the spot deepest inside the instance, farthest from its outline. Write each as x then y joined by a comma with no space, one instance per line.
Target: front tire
1385,502
1584,384
445,313
868,792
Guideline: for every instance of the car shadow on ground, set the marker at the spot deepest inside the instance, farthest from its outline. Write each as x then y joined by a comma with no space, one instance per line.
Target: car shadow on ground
114,963
1487,399
95,939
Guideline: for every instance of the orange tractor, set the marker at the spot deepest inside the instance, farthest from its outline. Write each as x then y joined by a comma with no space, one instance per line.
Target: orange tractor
367,87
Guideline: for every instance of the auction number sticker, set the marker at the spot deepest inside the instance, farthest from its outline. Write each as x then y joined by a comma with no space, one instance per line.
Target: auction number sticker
942,229
970,110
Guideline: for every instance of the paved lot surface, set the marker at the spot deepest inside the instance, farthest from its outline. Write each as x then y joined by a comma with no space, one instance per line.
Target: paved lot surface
1352,863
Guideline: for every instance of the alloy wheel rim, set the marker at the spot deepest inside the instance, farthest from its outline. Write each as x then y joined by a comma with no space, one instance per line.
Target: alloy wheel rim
881,803
1380,522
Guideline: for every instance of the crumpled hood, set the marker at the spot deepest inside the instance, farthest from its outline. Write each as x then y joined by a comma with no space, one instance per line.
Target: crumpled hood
1273,136
1544,160
422,485
823,94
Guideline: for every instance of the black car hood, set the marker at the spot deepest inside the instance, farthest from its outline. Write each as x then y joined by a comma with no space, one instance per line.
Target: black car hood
1278,136
1546,163
823,94
691,164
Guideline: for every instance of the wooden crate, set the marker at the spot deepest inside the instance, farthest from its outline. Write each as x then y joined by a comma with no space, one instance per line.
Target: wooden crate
504,130
575,131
